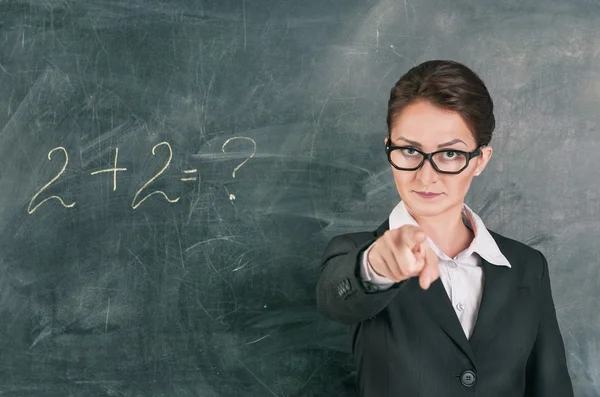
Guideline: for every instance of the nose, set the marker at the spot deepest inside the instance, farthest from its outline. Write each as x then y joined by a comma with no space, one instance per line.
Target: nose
427,175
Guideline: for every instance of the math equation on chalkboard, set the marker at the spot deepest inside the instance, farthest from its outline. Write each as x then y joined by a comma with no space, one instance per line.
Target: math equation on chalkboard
144,192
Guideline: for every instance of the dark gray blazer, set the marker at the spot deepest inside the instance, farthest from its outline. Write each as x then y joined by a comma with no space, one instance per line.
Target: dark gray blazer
409,342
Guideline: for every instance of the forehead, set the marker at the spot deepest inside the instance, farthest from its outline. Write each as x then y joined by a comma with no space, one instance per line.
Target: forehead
430,125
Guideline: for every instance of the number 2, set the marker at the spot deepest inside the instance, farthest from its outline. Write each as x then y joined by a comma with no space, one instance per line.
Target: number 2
133,204
29,209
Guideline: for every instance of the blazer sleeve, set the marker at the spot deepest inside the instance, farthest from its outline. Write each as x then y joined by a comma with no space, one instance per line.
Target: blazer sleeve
341,295
547,372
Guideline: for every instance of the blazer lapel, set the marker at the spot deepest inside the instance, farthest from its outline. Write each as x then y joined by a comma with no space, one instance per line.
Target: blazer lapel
498,290
436,301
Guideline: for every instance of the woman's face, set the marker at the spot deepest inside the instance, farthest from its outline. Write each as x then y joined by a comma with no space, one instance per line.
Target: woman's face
430,128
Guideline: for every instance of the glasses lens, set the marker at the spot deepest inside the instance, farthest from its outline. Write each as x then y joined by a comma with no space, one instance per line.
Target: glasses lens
449,161
446,161
406,158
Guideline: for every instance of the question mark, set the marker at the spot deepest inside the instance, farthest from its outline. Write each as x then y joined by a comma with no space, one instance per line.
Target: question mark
231,196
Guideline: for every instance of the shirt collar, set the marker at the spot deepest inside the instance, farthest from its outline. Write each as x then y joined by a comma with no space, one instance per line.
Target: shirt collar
483,243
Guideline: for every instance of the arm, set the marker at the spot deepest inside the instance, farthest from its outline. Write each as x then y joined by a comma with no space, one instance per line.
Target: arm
547,373
372,281
341,295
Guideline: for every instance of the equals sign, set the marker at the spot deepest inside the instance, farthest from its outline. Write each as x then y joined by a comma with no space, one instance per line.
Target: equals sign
193,178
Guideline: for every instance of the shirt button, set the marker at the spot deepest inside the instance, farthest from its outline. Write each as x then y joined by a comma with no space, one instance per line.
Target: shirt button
460,306
452,264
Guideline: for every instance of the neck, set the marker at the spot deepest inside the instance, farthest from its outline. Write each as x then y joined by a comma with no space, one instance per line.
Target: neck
446,230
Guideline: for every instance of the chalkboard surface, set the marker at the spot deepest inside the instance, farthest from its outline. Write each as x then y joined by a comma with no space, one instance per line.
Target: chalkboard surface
170,172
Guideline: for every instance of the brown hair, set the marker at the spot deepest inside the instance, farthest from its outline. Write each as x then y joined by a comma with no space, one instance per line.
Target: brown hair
449,85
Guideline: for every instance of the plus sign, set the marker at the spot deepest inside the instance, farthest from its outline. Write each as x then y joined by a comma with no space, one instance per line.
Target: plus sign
114,170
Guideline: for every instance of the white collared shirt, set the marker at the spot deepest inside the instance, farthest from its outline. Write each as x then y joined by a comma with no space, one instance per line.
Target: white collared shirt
462,275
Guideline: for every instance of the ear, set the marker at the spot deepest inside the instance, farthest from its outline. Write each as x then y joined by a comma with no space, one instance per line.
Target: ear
483,159
385,140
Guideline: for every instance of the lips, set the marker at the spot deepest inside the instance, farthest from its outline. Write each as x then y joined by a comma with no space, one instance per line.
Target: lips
428,194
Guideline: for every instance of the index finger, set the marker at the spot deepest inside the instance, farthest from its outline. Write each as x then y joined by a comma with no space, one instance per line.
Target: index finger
431,270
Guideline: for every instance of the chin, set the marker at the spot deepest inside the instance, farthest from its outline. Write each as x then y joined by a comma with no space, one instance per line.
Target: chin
425,207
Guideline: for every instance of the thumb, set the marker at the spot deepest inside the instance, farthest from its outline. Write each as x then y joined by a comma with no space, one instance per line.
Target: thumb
419,236
430,271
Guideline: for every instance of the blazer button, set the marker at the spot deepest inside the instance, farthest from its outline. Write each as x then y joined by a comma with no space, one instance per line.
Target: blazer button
468,378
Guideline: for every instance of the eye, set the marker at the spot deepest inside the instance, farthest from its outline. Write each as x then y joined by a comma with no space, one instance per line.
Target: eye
449,154
409,151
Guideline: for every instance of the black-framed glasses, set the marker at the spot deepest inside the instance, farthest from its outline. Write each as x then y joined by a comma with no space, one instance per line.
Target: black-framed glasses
447,161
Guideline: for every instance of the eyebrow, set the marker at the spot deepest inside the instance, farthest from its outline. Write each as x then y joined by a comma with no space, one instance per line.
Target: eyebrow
450,143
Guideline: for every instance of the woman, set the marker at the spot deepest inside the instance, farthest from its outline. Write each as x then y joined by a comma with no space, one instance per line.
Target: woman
439,305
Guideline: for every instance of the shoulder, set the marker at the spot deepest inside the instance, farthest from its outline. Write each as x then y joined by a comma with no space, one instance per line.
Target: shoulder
351,240
522,257
509,244
361,237
345,243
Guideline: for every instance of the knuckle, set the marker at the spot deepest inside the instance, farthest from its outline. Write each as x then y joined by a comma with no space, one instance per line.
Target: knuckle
413,268
391,233
410,270
386,236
